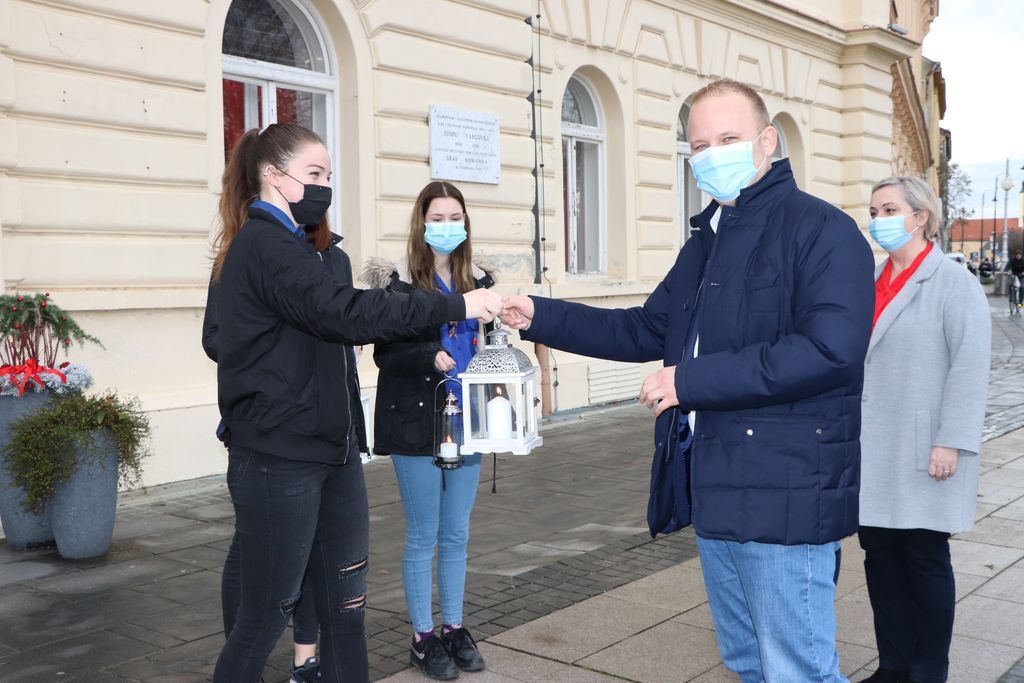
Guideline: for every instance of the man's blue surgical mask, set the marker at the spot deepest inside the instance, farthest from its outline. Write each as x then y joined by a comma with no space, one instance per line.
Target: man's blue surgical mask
445,237
723,171
890,232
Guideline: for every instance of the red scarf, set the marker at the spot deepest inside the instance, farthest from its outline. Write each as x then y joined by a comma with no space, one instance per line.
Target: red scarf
886,290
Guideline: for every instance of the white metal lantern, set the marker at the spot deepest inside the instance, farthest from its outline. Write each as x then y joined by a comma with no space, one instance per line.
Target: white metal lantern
499,396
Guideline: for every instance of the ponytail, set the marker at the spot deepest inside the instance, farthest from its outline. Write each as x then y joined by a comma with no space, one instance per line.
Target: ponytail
240,184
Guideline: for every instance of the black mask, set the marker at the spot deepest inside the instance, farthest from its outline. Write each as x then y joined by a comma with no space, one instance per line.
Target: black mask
310,210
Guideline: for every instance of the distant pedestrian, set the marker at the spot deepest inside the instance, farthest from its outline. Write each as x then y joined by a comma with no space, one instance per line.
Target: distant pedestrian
762,325
1016,264
925,383
437,503
294,472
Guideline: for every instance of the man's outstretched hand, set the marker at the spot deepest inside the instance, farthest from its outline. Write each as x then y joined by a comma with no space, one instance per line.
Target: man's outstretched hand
518,313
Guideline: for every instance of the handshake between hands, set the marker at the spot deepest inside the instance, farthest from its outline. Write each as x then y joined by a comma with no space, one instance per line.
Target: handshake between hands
658,391
514,311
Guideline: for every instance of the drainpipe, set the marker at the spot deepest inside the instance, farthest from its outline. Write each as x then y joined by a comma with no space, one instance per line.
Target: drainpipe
546,397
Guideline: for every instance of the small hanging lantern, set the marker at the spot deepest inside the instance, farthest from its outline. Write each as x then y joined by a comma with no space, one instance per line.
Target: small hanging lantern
448,432
499,392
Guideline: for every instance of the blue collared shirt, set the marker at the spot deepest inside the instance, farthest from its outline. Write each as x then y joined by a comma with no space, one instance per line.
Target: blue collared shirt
281,217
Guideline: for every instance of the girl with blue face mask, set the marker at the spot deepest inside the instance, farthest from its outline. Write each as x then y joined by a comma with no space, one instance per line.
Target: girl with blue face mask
411,383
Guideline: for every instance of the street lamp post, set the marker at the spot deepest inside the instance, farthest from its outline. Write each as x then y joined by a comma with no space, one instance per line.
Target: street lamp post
1007,185
995,213
981,232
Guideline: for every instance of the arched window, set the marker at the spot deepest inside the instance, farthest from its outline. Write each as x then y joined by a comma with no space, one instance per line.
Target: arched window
691,200
277,69
781,149
583,138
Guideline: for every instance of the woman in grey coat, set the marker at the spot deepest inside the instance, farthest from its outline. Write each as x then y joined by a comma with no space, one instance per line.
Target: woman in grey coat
925,384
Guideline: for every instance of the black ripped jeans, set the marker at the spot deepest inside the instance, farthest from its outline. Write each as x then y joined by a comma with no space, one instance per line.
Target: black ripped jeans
290,514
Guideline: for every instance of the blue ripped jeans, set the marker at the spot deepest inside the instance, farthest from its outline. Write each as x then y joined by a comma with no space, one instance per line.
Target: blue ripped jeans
435,517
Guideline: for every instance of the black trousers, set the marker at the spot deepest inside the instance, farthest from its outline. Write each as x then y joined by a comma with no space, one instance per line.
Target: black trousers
290,515
913,597
304,625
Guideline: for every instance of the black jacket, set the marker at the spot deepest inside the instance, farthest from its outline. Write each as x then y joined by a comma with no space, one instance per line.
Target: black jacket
340,268
1014,266
284,322
406,385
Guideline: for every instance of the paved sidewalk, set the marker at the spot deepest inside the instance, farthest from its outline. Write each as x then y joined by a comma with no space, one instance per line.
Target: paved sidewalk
564,582
659,628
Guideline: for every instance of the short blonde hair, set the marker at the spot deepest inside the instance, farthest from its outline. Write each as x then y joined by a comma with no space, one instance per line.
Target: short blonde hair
920,196
725,86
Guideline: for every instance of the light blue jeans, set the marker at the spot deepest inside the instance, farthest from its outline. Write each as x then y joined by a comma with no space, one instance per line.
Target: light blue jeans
773,609
435,517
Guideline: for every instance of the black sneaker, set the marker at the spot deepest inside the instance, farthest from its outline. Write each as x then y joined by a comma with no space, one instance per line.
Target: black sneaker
463,649
309,672
431,657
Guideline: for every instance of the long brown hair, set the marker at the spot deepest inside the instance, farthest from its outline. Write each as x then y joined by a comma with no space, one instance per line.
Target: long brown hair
421,256
275,146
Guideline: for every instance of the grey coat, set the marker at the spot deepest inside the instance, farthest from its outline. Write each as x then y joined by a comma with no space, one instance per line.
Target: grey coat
925,385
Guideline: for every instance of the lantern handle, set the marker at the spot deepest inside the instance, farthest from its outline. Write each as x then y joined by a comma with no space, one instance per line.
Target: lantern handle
447,378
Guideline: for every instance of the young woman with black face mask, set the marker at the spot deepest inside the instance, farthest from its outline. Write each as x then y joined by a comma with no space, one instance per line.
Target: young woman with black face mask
294,473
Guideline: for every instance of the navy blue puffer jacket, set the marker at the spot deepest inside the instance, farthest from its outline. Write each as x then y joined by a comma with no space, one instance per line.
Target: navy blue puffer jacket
787,296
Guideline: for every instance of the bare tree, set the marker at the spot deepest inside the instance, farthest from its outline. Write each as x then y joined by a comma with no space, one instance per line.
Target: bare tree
954,190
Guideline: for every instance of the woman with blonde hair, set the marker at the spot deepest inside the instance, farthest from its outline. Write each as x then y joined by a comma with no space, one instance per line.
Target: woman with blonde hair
925,384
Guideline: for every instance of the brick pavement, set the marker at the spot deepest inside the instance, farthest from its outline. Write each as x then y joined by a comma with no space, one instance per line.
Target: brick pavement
565,527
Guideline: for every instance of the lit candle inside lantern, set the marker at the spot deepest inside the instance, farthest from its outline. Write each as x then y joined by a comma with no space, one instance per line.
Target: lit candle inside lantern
499,417
449,450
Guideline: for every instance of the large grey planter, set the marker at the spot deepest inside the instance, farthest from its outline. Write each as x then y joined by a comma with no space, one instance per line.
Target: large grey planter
22,529
82,509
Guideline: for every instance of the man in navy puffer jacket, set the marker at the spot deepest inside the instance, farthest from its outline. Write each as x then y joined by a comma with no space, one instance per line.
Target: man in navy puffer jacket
762,325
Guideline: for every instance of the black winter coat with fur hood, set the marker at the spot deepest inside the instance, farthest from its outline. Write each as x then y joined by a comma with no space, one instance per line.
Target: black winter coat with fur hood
406,386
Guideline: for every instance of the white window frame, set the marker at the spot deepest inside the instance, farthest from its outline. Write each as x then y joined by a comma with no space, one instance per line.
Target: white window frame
683,153
594,134
782,148
683,172
270,76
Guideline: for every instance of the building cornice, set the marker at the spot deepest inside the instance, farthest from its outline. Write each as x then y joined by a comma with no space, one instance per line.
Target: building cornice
876,46
903,81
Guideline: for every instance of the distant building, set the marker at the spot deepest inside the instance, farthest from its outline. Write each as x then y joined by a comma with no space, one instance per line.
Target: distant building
975,235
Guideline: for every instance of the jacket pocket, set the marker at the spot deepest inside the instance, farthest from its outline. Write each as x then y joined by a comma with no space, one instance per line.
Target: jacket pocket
762,281
924,431
410,421
779,452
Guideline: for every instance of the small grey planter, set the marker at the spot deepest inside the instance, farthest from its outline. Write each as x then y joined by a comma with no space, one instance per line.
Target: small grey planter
83,508
22,529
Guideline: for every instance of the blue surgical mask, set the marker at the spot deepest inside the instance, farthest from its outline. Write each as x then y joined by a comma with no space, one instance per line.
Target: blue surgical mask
890,232
445,237
723,171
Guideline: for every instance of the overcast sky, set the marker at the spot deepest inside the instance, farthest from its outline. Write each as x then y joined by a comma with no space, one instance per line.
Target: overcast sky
981,46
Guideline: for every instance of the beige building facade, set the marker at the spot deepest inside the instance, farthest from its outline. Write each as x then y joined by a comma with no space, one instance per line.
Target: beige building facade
115,116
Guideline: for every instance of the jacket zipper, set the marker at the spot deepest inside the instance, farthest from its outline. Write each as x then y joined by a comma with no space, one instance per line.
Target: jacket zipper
344,383
696,312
